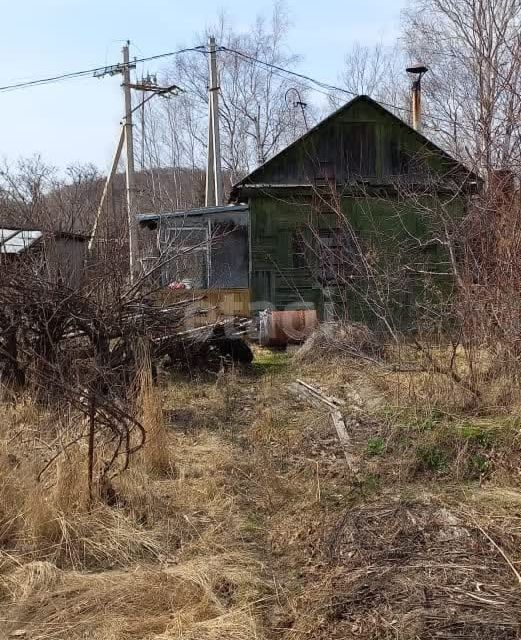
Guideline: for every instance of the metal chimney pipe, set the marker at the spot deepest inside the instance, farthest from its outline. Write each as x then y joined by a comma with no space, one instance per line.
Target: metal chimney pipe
416,94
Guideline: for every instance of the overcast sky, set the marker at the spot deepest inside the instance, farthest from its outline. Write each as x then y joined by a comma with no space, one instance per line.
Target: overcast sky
77,120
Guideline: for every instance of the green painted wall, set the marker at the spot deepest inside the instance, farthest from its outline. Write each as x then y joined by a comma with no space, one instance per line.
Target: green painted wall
381,170
384,228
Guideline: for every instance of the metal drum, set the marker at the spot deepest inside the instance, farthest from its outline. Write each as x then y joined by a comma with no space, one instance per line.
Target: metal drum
280,328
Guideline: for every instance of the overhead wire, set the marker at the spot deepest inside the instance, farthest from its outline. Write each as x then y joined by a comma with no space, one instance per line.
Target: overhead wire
94,70
324,87
331,87
317,85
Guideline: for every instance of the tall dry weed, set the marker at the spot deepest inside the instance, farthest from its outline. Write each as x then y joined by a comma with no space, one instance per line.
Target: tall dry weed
156,452
11,497
70,491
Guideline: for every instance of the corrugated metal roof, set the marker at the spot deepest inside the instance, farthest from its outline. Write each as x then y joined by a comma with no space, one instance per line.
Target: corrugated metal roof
17,240
202,211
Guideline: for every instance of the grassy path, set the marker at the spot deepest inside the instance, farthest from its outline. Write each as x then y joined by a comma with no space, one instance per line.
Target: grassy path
241,521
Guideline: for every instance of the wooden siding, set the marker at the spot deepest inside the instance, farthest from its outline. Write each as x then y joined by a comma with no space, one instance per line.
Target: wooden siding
350,172
282,280
360,143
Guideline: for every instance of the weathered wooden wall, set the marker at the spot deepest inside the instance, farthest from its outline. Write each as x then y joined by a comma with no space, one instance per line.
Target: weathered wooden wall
362,142
284,280
376,167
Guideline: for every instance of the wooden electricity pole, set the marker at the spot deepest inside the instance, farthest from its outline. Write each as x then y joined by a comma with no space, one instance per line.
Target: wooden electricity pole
214,184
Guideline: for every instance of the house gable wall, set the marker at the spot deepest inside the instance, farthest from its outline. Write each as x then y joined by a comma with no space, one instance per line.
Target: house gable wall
360,143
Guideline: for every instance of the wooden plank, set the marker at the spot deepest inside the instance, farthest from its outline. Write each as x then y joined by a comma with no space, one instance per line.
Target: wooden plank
333,402
345,440
315,395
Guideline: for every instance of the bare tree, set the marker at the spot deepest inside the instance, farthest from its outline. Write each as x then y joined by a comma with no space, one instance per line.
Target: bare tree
376,71
256,118
473,90
32,193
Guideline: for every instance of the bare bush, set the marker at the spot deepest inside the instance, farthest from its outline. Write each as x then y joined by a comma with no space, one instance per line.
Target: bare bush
80,348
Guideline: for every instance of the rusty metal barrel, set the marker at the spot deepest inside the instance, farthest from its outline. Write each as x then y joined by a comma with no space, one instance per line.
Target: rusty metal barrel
280,328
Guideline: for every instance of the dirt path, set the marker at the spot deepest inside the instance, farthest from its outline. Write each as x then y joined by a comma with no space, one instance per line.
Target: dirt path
386,553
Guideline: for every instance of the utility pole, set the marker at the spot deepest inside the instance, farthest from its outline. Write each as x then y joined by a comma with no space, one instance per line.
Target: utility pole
148,85
130,170
214,183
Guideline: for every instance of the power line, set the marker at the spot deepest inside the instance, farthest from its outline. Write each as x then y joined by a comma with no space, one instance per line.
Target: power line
332,87
324,87
270,65
90,72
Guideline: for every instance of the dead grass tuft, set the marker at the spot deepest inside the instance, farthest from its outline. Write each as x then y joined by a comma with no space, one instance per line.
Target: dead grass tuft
337,340
232,626
70,491
11,497
422,557
181,602
32,579
100,538
410,569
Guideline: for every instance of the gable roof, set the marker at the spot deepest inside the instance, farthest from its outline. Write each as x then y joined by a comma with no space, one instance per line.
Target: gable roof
358,99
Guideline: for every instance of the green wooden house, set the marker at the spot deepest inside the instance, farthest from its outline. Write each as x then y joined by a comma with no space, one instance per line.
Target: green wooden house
347,219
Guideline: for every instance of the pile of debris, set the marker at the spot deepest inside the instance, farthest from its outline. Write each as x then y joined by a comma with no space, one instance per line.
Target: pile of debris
337,339
208,348
87,351
53,338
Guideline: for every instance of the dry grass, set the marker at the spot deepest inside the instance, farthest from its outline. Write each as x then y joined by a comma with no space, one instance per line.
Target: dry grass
168,559
11,497
155,455
412,569
339,340
232,626
410,446
259,531
135,603
382,557
31,579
